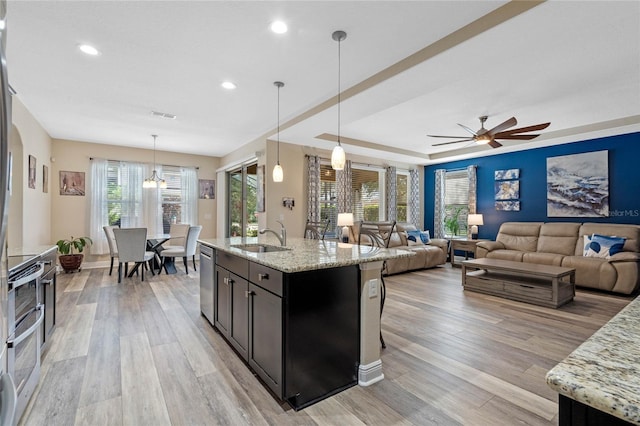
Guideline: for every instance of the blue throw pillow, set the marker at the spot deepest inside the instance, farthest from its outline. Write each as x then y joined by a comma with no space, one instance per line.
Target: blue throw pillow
604,246
419,236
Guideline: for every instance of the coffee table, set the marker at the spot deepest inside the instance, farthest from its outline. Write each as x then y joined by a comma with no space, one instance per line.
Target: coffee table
545,285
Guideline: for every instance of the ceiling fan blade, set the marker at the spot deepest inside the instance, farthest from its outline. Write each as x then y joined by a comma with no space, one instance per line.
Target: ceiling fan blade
505,125
494,144
524,129
517,137
447,143
468,129
450,137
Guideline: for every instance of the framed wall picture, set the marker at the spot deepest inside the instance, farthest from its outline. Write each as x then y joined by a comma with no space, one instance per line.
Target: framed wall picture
32,172
260,189
71,183
45,179
207,189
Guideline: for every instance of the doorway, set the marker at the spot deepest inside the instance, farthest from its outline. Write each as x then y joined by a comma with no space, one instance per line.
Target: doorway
242,191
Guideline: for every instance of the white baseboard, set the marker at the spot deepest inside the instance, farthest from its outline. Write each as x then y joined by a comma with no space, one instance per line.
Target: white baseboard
370,373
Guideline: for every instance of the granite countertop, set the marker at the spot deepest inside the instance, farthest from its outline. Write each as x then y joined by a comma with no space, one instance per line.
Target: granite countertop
604,372
305,254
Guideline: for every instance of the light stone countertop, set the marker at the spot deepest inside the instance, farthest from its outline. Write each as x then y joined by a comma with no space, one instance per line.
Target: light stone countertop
604,372
305,254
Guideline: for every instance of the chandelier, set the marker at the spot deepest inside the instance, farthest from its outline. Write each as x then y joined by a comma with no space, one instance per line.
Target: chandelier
154,181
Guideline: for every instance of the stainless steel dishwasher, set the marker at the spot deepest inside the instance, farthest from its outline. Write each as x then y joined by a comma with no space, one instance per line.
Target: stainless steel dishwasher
207,257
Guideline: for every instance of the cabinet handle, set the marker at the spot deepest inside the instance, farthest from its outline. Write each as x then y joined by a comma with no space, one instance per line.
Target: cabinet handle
249,293
47,282
263,277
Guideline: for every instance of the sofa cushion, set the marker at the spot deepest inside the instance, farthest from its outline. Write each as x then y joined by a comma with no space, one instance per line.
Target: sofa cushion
515,255
558,237
543,258
520,236
604,246
418,236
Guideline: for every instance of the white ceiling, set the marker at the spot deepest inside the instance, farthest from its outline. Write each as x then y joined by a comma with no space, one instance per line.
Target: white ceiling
573,63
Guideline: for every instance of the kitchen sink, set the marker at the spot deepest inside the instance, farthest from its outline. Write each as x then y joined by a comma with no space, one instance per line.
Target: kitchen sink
260,248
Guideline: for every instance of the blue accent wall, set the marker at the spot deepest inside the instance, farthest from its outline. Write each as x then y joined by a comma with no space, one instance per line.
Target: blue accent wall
624,183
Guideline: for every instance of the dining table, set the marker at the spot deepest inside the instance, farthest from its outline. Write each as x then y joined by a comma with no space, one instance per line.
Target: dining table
154,244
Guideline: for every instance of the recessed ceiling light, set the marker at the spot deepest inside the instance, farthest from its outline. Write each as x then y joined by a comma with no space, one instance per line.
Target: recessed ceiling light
228,85
89,50
279,27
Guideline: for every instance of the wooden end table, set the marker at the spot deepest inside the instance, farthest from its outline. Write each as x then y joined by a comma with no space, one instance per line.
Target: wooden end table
463,244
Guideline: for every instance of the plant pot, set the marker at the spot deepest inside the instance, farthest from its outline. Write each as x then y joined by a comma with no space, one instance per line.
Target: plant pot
70,262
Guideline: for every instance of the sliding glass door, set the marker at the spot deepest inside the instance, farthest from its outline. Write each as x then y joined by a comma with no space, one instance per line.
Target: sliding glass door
242,201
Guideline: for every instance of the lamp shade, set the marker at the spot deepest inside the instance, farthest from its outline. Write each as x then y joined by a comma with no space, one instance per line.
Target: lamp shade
278,174
475,219
345,219
338,158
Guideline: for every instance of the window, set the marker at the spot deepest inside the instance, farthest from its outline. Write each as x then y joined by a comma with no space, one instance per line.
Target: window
456,202
242,204
328,199
126,203
366,194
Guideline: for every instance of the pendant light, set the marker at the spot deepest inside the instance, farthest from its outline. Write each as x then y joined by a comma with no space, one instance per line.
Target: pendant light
154,181
278,174
337,155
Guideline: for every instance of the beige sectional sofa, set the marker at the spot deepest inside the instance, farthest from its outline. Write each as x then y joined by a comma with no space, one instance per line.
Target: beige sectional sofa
426,255
562,244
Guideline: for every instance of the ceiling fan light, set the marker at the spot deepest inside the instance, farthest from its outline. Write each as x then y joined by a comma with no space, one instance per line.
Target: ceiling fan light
278,174
338,158
483,139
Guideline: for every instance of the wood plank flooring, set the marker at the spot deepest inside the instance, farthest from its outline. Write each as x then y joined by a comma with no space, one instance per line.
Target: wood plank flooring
140,353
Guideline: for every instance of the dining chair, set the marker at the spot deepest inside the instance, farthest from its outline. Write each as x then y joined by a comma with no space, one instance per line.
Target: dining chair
111,239
178,233
377,234
131,244
189,248
316,230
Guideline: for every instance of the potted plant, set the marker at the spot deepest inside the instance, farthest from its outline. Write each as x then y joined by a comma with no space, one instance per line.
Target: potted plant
69,260
452,221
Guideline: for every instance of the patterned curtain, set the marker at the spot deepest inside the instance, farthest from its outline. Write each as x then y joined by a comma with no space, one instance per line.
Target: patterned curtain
473,185
391,193
438,213
313,175
414,198
343,184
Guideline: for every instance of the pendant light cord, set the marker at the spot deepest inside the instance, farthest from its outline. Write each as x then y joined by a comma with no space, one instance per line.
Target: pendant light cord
339,43
278,124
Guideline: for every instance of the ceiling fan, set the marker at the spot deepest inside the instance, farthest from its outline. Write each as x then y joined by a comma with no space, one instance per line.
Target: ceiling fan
484,136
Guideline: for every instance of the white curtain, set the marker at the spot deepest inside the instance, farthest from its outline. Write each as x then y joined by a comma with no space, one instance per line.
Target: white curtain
189,186
414,198
132,177
99,213
391,193
152,204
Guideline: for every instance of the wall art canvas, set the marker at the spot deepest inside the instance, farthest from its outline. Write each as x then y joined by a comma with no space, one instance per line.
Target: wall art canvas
207,189
45,179
508,206
507,190
507,174
578,185
71,183
32,172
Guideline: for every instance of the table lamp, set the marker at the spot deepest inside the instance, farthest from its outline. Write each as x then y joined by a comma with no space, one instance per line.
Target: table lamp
345,220
474,220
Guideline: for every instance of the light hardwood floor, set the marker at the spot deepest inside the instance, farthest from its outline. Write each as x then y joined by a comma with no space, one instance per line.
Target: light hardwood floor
140,353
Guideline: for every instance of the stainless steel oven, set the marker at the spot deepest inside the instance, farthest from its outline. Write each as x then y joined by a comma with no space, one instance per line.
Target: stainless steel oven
25,314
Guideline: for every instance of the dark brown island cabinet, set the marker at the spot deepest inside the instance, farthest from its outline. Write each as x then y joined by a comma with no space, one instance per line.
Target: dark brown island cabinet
299,332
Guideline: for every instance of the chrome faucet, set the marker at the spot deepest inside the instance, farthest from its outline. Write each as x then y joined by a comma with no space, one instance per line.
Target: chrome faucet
282,236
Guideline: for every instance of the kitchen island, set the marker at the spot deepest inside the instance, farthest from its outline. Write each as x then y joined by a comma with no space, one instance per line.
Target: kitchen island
305,317
599,382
